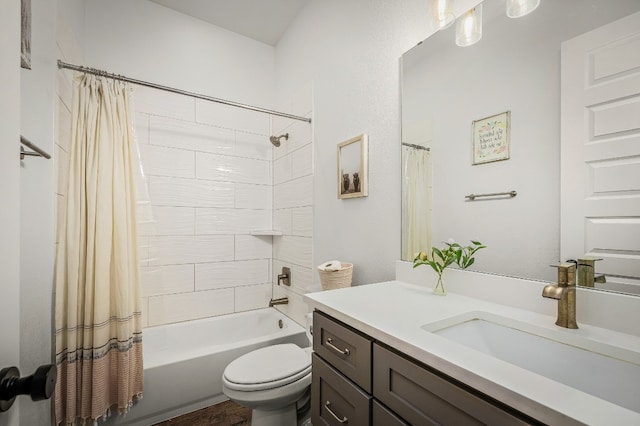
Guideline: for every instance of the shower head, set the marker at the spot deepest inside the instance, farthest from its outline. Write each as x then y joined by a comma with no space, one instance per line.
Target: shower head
275,140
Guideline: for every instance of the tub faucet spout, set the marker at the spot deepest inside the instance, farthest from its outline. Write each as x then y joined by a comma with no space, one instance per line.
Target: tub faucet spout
280,301
565,293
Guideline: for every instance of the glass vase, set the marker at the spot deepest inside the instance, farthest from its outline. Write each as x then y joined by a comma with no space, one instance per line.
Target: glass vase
438,288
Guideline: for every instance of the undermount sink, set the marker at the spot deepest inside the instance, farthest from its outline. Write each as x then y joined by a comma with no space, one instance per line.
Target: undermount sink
602,370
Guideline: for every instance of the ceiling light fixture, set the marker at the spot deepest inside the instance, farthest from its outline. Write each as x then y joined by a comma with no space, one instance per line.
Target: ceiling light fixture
469,27
520,8
442,13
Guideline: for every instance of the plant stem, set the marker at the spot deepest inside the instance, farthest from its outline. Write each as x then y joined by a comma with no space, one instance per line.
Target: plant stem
439,287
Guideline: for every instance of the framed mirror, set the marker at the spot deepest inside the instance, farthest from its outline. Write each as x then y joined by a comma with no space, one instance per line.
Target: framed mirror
515,67
352,167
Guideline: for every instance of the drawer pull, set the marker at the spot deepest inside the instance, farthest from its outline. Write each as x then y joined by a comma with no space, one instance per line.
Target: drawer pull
335,348
343,420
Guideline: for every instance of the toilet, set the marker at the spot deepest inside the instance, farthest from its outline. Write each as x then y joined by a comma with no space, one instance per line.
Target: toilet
275,382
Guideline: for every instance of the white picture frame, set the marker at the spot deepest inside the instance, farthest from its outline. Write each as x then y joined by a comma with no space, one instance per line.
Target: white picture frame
352,168
491,138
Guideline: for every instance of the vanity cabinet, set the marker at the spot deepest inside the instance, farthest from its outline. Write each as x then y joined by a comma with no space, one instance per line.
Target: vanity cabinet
424,396
346,349
336,400
359,381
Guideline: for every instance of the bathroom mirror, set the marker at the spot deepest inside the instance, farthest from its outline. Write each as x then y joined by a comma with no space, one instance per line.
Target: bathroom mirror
515,67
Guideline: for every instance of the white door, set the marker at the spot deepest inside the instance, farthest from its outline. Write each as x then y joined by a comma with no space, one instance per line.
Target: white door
600,151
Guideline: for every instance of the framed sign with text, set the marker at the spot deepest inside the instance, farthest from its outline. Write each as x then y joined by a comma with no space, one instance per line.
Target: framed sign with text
490,137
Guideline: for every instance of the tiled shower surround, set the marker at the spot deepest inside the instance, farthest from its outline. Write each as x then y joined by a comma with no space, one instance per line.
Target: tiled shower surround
293,205
210,180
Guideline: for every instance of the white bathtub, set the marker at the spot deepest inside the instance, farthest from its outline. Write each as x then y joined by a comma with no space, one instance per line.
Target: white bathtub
183,362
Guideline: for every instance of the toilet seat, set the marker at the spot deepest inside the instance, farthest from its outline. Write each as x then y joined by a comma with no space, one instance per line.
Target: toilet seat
267,368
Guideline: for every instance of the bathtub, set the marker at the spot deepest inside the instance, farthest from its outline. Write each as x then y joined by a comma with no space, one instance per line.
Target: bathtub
183,362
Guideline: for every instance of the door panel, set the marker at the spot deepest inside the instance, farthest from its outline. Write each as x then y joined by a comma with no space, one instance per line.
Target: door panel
600,150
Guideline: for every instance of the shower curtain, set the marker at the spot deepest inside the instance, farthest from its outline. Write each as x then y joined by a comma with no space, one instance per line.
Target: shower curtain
98,327
416,196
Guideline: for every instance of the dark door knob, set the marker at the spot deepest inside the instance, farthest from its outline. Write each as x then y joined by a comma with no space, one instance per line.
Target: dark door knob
39,385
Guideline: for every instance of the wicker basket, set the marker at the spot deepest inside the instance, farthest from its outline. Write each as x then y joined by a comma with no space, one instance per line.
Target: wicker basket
336,279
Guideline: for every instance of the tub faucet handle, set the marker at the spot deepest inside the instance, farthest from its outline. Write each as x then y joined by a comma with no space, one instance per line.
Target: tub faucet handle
285,277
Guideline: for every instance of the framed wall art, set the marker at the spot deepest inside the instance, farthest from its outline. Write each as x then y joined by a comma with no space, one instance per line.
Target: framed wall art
352,167
490,137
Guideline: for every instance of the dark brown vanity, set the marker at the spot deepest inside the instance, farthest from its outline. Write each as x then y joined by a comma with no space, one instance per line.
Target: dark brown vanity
358,380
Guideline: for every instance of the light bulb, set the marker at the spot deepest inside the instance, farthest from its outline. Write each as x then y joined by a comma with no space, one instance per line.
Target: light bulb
520,8
442,13
469,27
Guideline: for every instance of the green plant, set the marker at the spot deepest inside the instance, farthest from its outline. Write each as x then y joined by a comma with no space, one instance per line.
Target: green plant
452,253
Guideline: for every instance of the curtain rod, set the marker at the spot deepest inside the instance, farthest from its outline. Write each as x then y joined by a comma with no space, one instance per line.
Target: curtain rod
410,145
95,71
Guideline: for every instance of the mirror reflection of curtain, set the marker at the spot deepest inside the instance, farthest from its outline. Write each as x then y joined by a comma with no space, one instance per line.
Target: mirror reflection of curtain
98,318
416,197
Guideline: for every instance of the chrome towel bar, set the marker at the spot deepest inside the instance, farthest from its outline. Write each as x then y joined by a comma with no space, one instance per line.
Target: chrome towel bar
472,197
37,152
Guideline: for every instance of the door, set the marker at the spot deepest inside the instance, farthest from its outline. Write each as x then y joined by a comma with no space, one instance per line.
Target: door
600,151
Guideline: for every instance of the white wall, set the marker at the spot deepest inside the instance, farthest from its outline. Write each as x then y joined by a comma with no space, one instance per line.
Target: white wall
10,192
37,203
144,40
70,17
351,50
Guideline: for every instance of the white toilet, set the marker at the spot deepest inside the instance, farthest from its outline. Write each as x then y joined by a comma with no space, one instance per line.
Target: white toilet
275,382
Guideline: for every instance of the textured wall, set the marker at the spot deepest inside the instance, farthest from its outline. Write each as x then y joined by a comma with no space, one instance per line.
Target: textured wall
158,44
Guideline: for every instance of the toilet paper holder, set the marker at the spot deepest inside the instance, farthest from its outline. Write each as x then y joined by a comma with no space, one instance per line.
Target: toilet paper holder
39,385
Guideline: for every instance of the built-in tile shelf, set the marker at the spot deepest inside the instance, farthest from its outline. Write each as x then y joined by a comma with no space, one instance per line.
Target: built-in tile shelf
266,232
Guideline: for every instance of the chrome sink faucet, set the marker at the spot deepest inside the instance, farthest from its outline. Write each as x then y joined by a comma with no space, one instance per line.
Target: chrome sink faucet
565,293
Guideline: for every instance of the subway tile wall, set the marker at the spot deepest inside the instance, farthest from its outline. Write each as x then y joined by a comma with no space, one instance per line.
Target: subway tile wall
293,204
208,178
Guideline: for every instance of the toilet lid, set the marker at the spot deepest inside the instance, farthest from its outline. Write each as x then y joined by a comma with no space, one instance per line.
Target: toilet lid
269,364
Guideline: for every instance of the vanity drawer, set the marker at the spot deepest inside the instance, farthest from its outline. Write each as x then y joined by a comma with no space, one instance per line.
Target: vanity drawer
334,399
344,348
423,397
381,416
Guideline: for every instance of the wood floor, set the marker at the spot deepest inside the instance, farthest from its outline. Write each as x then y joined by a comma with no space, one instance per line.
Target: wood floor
227,413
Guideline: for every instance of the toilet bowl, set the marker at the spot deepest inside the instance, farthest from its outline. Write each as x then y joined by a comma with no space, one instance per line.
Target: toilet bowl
274,382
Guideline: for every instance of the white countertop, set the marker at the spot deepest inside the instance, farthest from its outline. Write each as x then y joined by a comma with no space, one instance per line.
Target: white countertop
393,313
